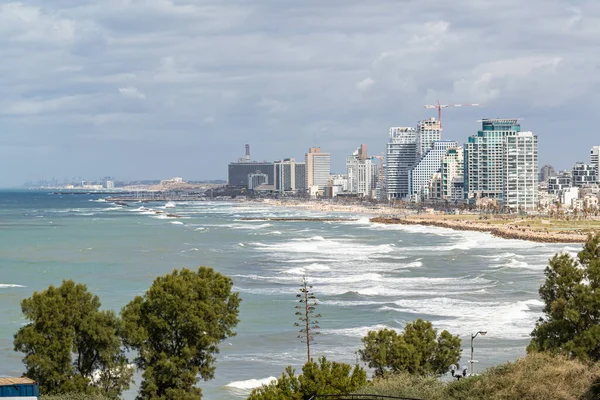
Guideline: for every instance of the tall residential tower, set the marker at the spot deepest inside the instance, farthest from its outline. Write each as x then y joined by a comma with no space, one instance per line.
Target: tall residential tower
501,163
400,157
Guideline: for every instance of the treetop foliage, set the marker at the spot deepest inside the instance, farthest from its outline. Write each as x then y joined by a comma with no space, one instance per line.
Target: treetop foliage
571,296
322,377
70,345
176,327
417,350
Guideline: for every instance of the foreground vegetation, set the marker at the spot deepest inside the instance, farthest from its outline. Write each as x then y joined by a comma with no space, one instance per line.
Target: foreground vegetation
538,376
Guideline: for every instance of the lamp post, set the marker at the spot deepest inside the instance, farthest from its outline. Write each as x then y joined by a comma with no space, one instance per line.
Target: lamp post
473,336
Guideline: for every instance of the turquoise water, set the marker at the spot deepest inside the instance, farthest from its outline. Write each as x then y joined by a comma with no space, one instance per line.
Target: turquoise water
366,276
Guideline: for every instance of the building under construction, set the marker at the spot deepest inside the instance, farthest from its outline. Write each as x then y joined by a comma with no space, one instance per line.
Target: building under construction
240,171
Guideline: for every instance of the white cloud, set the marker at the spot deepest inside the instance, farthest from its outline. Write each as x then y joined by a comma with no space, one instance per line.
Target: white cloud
71,73
365,84
132,92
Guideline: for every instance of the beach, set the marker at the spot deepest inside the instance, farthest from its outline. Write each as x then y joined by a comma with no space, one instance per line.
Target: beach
533,229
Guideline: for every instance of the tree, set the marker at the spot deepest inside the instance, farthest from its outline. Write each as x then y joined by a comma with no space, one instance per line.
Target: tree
324,377
70,345
418,350
176,327
306,315
571,296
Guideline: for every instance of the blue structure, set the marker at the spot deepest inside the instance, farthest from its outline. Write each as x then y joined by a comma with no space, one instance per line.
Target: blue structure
18,389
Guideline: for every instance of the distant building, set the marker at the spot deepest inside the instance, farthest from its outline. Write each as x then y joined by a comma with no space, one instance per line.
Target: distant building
400,158
452,170
501,163
521,167
361,172
290,176
255,180
583,174
546,172
318,168
595,160
109,184
237,175
428,132
563,180
429,164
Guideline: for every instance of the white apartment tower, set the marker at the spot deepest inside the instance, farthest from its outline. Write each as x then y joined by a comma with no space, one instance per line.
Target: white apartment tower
520,176
595,160
318,168
290,176
361,172
429,164
452,180
428,132
400,157
501,163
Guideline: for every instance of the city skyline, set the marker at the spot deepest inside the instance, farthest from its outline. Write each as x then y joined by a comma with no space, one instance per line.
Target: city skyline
162,88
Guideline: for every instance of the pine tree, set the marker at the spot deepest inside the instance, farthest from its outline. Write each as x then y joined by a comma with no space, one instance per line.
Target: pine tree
307,317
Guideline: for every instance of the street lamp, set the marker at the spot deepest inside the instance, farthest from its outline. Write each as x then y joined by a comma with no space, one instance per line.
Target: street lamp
473,336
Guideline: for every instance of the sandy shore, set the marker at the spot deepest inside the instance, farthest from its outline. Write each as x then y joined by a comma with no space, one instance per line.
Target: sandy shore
508,229
504,231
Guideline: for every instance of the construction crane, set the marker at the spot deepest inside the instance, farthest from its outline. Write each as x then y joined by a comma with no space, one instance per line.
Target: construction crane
439,107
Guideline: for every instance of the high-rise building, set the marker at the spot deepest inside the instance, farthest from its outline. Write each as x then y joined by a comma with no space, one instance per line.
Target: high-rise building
428,132
362,172
400,157
256,179
429,164
290,176
318,168
520,175
238,172
583,174
452,180
546,172
499,163
595,161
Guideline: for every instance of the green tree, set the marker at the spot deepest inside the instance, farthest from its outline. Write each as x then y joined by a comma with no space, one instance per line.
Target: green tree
322,377
176,327
417,350
70,345
307,315
571,296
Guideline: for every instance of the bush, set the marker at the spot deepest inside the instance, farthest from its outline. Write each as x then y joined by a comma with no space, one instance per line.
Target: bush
75,396
538,376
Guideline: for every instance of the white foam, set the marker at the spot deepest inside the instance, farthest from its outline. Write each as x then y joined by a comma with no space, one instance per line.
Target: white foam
176,222
261,226
10,285
360,331
98,200
250,383
508,320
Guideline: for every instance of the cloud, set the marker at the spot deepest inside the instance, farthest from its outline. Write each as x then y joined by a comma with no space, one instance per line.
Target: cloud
132,92
123,76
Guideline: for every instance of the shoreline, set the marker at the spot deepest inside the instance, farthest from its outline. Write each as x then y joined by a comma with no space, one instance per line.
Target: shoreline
385,215
504,232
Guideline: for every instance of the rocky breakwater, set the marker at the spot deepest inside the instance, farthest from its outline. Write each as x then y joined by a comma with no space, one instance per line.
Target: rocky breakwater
503,231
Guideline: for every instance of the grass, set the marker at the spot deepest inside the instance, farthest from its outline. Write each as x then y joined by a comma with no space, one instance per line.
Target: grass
534,377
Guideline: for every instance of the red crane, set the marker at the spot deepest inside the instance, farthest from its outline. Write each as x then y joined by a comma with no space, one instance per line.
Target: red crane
440,106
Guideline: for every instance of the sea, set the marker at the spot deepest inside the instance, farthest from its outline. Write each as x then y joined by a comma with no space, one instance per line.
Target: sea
365,276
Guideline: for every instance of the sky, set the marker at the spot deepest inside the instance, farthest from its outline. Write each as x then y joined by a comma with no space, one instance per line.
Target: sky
151,89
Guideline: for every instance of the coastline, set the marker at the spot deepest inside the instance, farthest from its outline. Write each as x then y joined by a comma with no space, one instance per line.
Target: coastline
519,229
504,231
